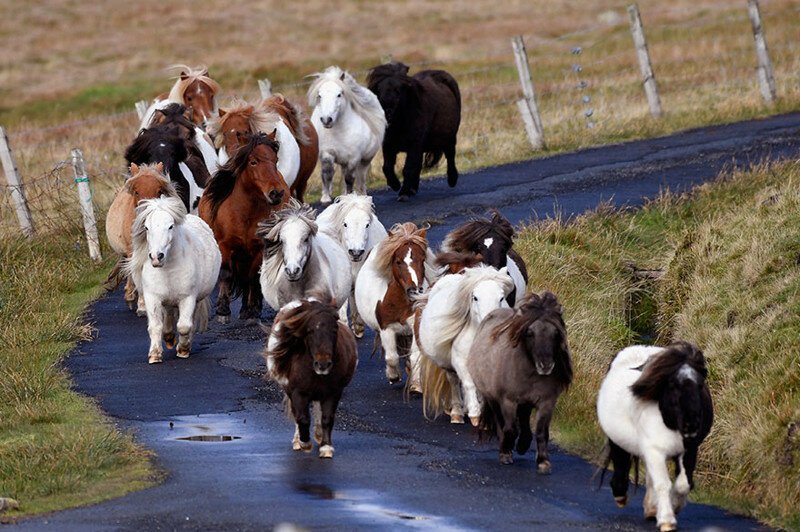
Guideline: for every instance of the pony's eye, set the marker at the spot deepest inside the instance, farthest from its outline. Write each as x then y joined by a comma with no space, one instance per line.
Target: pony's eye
253,162
474,298
345,224
339,95
146,228
171,226
367,224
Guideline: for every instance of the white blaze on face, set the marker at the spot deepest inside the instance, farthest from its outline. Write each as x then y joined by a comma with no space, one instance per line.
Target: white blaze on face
687,372
486,297
488,242
330,100
295,246
160,227
356,230
408,260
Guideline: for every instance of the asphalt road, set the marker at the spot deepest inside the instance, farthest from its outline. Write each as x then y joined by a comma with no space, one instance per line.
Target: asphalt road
392,467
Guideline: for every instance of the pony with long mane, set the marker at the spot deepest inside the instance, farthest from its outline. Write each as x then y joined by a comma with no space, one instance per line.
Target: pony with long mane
352,221
350,123
167,113
423,112
183,166
655,404
146,182
520,360
299,260
492,239
193,88
398,269
175,263
449,318
244,192
297,139
313,357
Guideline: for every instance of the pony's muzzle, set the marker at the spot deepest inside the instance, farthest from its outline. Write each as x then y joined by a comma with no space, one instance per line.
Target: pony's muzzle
356,254
275,196
545,369
293,274
327,121
322,367
414,290
157,261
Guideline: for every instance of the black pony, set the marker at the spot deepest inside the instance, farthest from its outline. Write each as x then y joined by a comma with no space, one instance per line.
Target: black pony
423,113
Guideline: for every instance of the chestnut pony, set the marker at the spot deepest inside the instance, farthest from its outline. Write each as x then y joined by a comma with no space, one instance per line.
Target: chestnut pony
194,89
245,191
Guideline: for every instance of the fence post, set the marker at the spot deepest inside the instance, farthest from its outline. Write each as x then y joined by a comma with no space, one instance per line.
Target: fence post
141,108
650,88
13,180
766,80
85,195
265,86
527,105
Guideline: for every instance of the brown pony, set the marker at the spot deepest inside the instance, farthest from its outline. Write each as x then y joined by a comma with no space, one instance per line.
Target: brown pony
451,262
313,356
265,116
243,193
146,182
194,89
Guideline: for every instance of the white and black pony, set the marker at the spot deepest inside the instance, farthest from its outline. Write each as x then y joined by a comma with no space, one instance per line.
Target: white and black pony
655,404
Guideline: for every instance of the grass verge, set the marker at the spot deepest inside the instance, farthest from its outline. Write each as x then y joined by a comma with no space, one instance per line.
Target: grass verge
730,256
56,448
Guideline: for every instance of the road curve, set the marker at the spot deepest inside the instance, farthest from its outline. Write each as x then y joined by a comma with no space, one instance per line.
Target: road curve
392,467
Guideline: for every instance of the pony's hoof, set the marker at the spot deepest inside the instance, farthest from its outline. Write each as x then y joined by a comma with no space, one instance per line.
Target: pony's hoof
325,199
358,330
621,502
452,179
506,458
414,388
306,446
457,419
403,198
131,305
326,451
182,352
154,359
475,420
544,468
667,527
394,380
141,313
169,340
223,319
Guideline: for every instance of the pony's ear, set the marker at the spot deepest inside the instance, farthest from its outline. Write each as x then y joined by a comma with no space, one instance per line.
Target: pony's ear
134,169
221,113
504,269
204,72
272,135
189,113
160,167
184,76
342,76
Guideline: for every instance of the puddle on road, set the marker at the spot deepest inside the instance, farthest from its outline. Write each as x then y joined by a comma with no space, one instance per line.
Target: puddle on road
210,438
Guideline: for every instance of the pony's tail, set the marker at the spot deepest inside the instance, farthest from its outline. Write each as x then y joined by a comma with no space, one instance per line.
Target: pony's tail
432,158
604,459
436,391
487,426
201,313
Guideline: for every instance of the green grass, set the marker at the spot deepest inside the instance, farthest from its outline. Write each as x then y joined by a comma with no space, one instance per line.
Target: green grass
56,448
730,253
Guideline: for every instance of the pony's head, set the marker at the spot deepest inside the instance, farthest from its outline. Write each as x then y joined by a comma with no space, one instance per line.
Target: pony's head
306,327
487,290
154,227
289,235
489,237
352,216
148,181
158,144
233,124
451,262
402,254
393,87
328,94
196,91
178,116
676,379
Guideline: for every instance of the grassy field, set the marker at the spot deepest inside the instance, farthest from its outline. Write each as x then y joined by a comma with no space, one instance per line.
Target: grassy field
729,253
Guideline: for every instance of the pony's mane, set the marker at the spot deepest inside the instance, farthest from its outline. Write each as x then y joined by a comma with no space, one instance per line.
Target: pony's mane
660,367
175,114
385,71
259,119
294,115
462,238
292,331
270,231
188,75
151,171
172,205
224,180
345,203
466,259
362,100
400,235
151,138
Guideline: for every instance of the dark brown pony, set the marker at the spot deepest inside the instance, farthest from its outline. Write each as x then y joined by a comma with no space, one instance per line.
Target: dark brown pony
520,361
243,193
313,356
177,118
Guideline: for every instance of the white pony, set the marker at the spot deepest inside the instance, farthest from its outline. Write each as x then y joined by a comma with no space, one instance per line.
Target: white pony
300,261
655,404
175,264
350,123
446,327
351,220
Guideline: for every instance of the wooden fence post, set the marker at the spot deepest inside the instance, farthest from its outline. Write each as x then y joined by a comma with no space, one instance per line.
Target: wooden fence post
766,80
141,108
265,86
85,195
13,180
527,105
650,88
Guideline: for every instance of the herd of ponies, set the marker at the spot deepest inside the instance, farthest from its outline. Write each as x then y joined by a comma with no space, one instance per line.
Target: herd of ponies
215,200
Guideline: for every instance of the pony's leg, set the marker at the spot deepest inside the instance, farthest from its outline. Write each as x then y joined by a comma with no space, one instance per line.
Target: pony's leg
413,366
389,162
456,401
224,297
141,307
411,171
474,402
244,310
544,413
355,317
252,301
155,325
656,466
327,170
328,413
525,433
130,293
186,325
650,504
508,410
169,327
299,405
362,171
621,477
452,172
680,489
349,177
343,313
389,343
316,407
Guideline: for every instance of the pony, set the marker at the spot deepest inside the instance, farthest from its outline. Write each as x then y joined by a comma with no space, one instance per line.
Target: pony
450,316
397,269
450,262
655,404
297,139
313,357
194,89
175,263
300,260
179,116
350,123
351,220
520,360
146,182
185,168
245,191
423,112
492,239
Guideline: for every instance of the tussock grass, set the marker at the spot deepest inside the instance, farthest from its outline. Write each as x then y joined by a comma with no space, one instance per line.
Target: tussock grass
730,252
